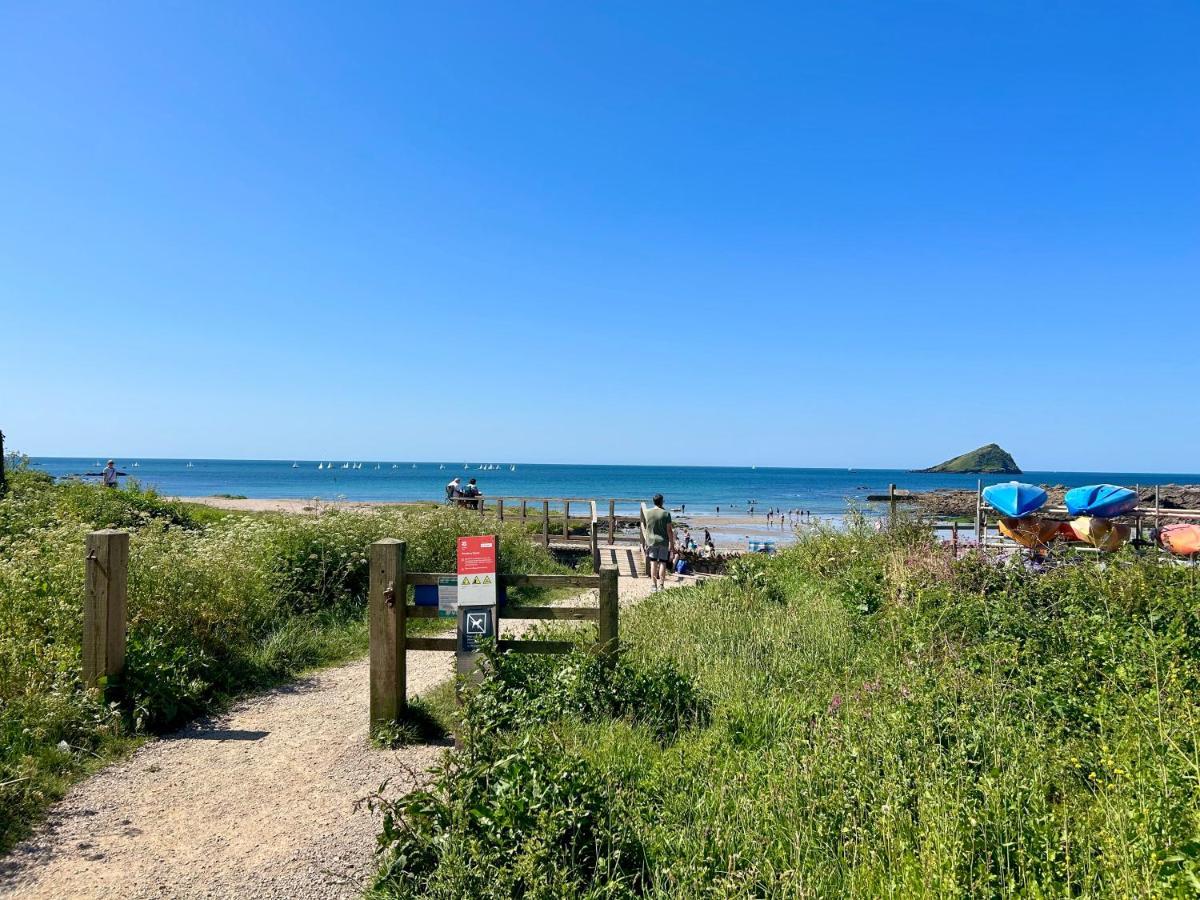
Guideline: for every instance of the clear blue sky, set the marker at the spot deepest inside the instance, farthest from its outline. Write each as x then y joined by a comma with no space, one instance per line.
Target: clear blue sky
835,233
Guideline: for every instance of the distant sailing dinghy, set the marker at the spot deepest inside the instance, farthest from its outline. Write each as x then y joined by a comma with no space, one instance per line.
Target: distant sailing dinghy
1103,500
1014,498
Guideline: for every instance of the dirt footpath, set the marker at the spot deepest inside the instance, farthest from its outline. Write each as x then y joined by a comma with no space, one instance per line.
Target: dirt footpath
256,803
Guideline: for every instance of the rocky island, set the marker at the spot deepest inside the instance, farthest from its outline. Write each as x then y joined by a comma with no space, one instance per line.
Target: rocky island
990,459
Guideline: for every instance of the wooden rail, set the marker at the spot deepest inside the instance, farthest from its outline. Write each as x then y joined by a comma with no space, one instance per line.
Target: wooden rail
507,507
389,612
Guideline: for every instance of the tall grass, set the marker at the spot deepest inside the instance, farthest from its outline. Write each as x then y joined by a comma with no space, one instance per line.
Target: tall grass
884,722
218,604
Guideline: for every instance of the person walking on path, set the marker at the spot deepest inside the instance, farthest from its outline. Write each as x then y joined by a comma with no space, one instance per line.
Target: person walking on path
660,543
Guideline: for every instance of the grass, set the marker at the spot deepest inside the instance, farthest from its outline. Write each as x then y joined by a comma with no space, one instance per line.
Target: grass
219,604
861,716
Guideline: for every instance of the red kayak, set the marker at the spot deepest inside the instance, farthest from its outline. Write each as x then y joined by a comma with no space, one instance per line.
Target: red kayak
1182,540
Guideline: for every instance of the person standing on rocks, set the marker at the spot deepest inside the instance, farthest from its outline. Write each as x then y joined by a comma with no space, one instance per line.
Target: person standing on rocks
660,543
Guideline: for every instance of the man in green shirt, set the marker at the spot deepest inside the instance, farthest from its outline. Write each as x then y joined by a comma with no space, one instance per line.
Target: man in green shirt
660,542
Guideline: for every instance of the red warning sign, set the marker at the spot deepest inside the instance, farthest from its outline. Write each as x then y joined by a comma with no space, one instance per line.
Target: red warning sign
477,571
477,555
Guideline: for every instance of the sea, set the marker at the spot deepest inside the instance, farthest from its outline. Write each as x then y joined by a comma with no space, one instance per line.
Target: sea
703,490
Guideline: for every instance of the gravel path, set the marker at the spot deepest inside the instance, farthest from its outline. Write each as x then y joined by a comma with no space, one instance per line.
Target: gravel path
259,802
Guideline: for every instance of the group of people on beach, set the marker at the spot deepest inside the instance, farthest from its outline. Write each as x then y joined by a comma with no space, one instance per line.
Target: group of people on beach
786,517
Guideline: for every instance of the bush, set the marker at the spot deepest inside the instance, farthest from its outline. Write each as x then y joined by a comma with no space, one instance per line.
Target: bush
880,720
531,821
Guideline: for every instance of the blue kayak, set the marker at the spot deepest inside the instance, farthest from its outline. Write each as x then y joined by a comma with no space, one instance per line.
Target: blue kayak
1014,498
1103,500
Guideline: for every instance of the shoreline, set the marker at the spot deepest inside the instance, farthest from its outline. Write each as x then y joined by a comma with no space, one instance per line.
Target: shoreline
729,532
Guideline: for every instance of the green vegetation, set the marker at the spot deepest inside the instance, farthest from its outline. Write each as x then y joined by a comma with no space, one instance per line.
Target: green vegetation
219,603
860,716
990,459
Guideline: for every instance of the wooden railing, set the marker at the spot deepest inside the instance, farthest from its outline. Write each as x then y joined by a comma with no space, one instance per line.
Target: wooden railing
558,510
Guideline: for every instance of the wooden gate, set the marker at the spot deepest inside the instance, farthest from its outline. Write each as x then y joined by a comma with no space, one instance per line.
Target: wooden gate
389,612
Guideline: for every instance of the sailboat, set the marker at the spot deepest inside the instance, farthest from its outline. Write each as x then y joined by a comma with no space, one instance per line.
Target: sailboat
395,465
376,465
295,465
189,466
442,466
512,468
414,465
135,465
320,466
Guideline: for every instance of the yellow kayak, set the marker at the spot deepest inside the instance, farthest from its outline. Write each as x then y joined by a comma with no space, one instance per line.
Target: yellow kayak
1029,531
1103,534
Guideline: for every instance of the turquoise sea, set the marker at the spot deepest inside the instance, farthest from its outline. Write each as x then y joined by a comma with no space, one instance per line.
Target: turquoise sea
702,488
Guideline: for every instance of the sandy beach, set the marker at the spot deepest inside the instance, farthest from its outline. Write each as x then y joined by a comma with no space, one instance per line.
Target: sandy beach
729,532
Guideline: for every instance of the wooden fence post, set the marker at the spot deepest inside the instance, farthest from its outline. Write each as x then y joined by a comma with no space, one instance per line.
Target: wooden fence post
891,504
546,522
523,507
612,522
500,508
608,642
595,548
104,615
387,601
979,528
567,519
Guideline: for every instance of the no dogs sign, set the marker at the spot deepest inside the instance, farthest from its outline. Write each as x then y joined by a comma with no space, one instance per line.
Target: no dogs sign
477,571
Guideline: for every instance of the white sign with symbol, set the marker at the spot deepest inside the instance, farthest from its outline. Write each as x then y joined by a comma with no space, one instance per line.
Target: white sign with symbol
477,623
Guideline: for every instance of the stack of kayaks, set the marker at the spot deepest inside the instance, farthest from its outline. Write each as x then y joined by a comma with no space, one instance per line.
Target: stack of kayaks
1016,502
1093,506
1182,539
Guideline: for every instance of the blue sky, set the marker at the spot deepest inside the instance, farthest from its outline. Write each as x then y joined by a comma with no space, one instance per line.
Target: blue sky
849,233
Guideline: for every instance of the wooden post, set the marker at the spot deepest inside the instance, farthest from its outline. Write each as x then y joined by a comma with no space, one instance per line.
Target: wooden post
500,508
523,504
891,504
567,519
608,643
387,599
979,513
1157,523
612,522
595,548
546,522
104,615
3,479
